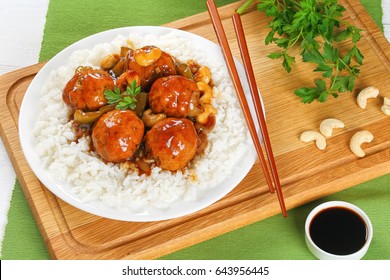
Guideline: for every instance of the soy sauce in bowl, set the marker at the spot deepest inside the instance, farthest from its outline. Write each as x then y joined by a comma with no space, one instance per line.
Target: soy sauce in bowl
338,230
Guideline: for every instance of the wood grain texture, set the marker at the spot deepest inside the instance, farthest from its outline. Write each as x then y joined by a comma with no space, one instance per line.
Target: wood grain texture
306,173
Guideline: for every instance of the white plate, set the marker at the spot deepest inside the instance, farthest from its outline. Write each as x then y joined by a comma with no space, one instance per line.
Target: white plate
29,112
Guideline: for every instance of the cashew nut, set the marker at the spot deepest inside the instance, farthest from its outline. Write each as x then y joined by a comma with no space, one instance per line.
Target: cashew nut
360,137
368,92
203,75
386,106
207,92
147,55
203,117
151,119
327,125
312,135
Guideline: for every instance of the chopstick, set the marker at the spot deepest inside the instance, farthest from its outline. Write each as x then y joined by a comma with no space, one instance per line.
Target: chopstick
238,87
219,30
258,108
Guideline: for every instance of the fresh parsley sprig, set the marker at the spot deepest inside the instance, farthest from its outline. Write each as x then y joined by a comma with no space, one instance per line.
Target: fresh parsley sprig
124,100
316,27
113,96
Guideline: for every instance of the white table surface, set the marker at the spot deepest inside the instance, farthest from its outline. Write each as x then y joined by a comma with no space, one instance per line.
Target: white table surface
21,30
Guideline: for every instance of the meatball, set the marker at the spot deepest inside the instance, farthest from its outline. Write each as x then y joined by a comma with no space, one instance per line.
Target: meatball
172,143
85,91
163,66
176,96
117,135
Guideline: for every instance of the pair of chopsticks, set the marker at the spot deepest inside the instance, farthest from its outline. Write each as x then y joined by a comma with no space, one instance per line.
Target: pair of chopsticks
219,30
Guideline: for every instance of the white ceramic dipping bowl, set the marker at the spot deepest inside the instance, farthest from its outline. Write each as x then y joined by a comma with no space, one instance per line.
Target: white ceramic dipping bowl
323,255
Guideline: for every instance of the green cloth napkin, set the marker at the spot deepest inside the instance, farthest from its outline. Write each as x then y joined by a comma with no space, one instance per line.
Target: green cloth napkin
272,238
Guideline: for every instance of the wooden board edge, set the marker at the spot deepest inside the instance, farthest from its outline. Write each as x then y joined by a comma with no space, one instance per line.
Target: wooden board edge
12,144
365,22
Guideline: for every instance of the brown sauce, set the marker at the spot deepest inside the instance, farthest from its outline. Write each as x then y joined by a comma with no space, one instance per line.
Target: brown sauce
80,130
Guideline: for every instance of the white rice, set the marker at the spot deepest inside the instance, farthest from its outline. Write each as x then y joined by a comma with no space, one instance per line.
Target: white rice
92,180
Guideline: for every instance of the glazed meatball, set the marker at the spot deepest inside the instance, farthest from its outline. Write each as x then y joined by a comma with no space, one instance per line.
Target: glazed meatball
176,96
172,143
117,135
163,66
85,91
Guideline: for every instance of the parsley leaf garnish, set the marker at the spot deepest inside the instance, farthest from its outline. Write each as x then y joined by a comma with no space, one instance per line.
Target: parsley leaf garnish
124,100
316,27
113,96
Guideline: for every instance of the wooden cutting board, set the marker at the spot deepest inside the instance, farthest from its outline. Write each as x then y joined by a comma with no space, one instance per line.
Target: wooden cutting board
306,173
